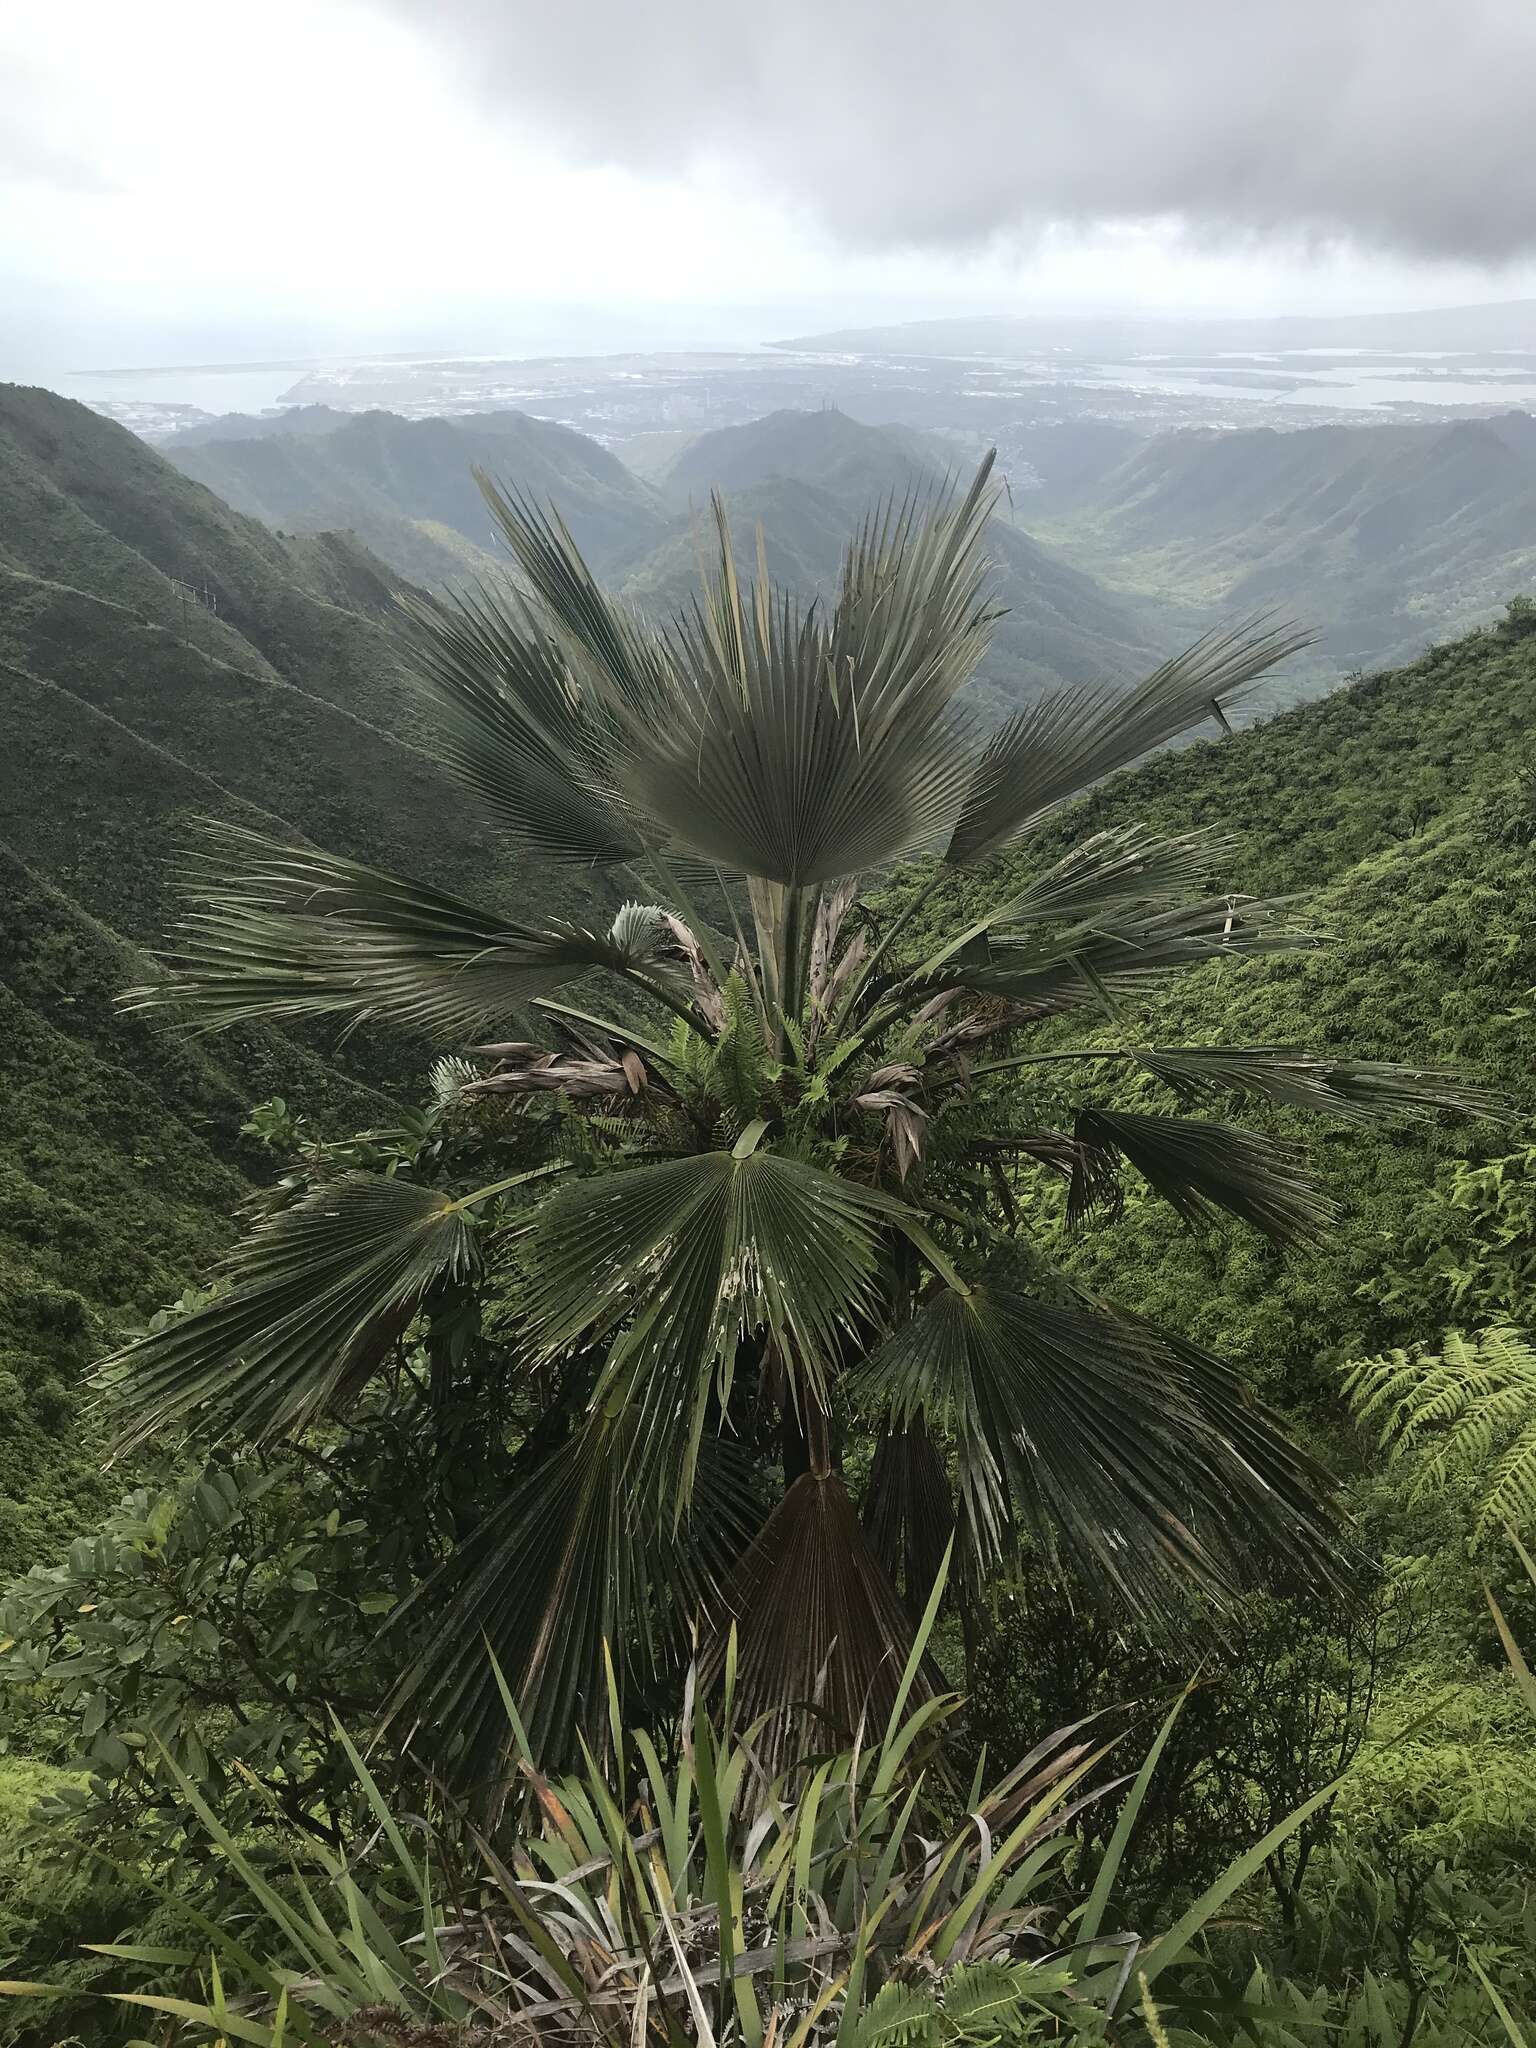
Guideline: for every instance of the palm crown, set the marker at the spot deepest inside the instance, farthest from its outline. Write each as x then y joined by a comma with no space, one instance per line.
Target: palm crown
788,1172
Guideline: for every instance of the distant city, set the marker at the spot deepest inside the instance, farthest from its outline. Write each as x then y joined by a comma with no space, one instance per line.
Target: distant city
978,381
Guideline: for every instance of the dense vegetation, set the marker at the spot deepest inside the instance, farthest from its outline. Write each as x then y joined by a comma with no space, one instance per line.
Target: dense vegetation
175,1669
162,660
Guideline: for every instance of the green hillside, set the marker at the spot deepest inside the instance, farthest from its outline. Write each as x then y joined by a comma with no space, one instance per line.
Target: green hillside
1392,814
406,487
1385,536
162,659
1399,816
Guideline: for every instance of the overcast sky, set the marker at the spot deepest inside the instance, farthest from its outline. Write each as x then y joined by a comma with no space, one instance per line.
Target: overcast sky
216,179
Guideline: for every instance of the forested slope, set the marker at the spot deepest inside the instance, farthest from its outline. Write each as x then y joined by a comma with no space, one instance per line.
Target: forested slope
1383,535
1398,816
162,659
406,487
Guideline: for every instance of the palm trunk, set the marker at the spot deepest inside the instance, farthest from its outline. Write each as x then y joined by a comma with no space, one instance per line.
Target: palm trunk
805,1438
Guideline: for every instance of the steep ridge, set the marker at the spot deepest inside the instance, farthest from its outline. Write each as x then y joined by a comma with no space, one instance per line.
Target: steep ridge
268,666
1384,535
811,477
164,659
1399,816
406,487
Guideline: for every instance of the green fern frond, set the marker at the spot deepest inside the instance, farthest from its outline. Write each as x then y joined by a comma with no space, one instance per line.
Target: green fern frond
981,1998
898,2016
742,1070
1467,1412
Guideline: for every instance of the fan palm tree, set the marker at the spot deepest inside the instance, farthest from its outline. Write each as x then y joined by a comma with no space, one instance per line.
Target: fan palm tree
789,1169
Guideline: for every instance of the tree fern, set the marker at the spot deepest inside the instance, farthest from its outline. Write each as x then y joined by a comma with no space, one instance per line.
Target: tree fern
1468,1411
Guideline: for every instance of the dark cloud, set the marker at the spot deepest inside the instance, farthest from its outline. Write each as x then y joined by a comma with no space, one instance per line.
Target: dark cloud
1406,125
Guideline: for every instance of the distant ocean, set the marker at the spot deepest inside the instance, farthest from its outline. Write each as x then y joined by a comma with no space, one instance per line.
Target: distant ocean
215,388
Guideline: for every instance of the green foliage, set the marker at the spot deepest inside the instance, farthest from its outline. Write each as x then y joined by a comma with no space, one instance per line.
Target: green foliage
860,1895
162,659
1468,1411
218,1622
874,1047
658,1278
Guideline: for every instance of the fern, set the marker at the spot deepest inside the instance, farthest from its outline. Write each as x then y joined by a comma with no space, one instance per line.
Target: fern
742,1069
983,1999
898,2016
1468,1411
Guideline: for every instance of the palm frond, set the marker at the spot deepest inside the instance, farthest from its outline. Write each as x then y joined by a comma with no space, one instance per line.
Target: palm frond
1202,1167
803,746
1070,739
613,650
515,725
1358,1091
315,1297
678,1261
789,745
1468,1411
1108,873
1138,1455
579,1555
298,933
908,1511
1066,970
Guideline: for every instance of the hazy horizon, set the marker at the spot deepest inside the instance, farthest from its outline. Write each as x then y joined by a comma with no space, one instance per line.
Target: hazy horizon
353,177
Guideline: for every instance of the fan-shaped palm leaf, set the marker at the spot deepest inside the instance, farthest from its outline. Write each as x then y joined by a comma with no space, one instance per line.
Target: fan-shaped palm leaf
908,1511
1203,1167
679,1261
579,1555
792,746
816,1620
1359,1091
316,1295
1141,1456
299,933
1063,971
1108,873
612,650
1069,739
517,727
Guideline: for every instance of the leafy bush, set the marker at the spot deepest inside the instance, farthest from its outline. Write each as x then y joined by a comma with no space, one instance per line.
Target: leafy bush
862,1895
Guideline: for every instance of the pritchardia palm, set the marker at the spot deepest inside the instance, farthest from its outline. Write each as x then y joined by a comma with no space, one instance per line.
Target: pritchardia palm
788,1165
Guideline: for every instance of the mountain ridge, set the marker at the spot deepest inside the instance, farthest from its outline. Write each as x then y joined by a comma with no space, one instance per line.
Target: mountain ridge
1386,535
808,476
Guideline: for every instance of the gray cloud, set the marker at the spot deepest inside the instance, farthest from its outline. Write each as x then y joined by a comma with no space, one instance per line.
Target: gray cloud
1405,125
